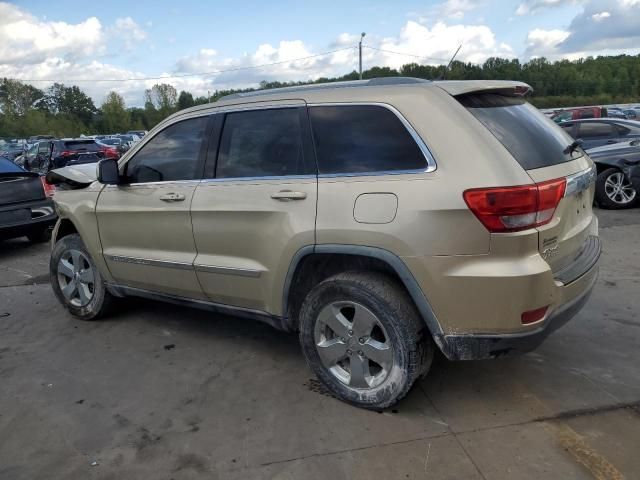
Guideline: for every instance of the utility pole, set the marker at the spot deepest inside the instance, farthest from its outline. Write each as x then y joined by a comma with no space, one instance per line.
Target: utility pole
360,52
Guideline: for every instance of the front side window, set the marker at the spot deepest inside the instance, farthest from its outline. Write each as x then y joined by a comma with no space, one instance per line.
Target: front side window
263,143
354,139
171,155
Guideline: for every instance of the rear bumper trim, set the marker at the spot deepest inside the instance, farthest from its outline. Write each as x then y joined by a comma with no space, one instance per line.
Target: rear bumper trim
582,262
479,347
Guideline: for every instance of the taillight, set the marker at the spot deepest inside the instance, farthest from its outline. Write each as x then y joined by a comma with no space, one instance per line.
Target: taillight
109,152
511,209
49,189
67,153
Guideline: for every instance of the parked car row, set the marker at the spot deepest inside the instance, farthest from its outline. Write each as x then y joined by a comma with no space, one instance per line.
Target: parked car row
581,113
45,155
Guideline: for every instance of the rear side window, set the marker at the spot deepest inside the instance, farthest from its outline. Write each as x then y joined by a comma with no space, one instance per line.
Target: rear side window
355,139
531,138
171,155
595,130
263,143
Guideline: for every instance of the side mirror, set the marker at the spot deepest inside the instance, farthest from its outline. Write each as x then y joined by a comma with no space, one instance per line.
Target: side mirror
108,172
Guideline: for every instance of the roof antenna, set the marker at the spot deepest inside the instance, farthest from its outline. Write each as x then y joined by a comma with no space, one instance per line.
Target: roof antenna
450,62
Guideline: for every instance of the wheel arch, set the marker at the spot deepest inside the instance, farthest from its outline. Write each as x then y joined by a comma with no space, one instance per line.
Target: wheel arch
347,257
63,227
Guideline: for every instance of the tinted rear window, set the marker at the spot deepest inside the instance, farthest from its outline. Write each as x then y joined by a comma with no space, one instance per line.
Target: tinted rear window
531,138
363,139
82,145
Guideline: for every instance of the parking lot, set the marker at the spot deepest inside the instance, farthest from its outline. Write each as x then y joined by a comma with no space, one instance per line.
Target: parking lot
160,391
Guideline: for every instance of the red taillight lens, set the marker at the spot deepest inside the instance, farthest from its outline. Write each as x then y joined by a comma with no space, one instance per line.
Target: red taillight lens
49,189
510,209
66,153
110,152
533,316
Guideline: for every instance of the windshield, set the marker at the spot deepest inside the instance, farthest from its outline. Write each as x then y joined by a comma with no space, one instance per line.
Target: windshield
531,138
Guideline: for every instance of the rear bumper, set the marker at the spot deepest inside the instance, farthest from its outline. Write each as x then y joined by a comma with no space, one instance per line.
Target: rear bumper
484,346
43,215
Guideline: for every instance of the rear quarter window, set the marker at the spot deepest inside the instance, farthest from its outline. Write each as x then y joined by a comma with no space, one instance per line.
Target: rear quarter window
531,138
352,139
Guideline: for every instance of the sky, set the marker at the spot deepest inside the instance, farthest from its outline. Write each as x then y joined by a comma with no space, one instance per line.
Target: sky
206,46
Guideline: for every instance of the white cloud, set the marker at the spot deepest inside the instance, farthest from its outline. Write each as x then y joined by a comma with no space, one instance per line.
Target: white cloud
24,39
544,43
457,9
532,6
597,17
128,31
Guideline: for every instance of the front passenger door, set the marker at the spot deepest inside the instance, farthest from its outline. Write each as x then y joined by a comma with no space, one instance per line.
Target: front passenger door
145,223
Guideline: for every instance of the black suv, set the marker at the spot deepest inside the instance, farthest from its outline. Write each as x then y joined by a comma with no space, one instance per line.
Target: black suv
595,132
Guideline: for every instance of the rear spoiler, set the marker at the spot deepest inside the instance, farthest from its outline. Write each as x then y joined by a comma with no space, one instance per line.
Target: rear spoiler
502,87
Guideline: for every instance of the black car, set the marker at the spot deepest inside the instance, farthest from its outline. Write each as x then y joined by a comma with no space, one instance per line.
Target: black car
45,155
618,182
595,132
26,207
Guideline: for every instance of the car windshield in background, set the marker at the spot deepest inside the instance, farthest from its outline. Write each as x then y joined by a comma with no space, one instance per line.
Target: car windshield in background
531,138
111,141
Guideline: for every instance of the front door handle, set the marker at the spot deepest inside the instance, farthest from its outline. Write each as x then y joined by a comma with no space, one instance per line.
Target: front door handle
286,195
172,197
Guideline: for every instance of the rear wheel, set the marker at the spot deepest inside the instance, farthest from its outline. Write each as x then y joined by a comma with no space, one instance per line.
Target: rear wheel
363,338
76,280
614,191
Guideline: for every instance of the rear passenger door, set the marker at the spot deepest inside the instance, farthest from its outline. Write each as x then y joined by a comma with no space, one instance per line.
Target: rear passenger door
257,205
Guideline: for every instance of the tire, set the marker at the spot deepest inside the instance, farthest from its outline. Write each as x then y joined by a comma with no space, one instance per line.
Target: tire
606,194
399,340
40,236
87,298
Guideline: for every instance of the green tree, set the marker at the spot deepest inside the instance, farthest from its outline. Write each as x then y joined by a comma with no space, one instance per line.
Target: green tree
185,100
163,97
16,98
115,117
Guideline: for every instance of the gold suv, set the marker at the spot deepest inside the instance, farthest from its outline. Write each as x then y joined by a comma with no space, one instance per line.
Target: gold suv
381,219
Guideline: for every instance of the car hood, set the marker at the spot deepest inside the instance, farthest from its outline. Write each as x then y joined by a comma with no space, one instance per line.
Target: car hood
75,176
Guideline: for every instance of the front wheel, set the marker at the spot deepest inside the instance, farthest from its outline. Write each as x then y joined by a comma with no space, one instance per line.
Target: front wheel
76,280
363,338
614,191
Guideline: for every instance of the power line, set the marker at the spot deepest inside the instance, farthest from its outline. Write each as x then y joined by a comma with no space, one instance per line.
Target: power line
201,74
405,54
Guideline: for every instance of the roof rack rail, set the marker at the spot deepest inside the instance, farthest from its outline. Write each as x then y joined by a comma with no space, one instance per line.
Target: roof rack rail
373,82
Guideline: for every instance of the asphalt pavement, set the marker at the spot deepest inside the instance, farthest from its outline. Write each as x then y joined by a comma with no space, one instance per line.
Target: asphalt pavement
164,392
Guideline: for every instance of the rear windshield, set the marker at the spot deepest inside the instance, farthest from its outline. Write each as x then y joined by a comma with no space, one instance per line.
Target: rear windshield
82,145
531,138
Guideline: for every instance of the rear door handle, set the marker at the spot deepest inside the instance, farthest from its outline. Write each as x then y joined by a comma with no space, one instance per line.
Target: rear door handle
286,195
172,197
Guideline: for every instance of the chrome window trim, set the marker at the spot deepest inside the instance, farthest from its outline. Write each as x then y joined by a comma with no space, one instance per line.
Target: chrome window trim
253,179
431,162
580,181
164,182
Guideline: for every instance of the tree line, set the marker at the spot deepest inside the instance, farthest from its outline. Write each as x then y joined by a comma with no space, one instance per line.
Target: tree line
67,111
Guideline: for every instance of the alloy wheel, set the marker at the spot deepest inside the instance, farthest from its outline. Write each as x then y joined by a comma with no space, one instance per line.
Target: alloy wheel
619,189
76,278
353,345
